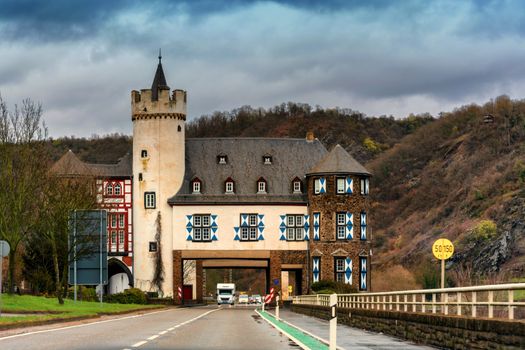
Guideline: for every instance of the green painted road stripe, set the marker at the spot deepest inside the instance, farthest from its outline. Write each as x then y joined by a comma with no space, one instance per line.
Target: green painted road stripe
307,340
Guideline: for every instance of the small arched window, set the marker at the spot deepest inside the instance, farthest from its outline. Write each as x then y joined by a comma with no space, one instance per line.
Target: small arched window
117,190
267,159
222,159
262,185
144,153
196,185
229,185
297,185
109,189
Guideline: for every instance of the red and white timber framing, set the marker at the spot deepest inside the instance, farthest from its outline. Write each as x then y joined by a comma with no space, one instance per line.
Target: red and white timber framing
114,195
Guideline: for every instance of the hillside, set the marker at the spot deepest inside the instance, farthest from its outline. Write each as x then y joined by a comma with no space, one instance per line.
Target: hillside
364,137
461,177
97,149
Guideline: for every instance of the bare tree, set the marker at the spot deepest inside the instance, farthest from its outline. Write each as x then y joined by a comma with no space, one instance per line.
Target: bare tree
22,170
59,197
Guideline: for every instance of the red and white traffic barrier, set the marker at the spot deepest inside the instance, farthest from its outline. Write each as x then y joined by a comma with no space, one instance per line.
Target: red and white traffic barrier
268,298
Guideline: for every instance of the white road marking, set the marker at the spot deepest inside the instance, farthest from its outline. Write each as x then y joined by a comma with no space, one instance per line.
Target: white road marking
136,345
170,329
164,332
83,325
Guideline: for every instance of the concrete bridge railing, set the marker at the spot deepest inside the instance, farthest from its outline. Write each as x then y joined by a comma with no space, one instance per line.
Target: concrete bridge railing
498,301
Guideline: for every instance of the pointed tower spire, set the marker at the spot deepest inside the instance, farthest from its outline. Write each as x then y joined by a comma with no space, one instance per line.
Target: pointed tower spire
159,81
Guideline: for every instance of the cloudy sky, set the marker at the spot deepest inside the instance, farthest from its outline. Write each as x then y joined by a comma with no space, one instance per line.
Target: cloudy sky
82,58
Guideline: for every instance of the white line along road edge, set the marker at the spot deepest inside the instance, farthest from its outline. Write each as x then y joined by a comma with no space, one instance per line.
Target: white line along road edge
83,325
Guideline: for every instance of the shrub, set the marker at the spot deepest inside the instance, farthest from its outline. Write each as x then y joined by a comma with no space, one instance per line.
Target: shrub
484,230
371,145
129,296
83,293
329,287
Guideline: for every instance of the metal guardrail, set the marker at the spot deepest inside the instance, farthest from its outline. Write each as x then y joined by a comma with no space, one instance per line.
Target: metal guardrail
492,301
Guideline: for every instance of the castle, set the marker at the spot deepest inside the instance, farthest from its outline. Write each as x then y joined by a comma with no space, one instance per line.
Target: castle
279,204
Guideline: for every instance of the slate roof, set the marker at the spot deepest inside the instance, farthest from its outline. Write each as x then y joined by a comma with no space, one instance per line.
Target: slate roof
338,161
159,82
290,158
70,165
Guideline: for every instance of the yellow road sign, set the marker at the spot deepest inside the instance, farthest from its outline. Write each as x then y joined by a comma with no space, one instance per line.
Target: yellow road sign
443,249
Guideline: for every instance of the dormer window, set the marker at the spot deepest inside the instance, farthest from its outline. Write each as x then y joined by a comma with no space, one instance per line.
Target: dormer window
296,185
222,159
261,185
229,186
267,159
196,186
144,154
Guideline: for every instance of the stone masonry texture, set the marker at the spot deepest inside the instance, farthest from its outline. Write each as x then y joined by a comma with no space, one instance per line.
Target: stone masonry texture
448,332
328,204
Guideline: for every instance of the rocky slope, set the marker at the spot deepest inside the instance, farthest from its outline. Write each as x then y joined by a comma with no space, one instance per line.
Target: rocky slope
461,177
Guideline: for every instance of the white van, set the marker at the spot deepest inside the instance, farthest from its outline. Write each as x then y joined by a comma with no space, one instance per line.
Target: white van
225,293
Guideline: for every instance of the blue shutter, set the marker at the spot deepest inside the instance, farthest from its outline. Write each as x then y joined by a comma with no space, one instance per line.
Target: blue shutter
282,227
260,226
316,269
322,185
348,185
349,225
236,232
317,221
189,227
348,271
362,284
306,221
363,226
214,227
244,220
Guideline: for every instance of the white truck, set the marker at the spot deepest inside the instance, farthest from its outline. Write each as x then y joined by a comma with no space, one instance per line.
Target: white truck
225,293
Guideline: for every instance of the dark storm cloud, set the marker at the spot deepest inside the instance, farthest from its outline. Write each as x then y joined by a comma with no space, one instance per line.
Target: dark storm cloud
81,58
56,19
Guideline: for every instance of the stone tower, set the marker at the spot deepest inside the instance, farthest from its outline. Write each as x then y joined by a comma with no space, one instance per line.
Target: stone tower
339,205
158,169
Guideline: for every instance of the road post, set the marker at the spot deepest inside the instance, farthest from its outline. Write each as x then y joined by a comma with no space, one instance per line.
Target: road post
277,307
4,251
333,322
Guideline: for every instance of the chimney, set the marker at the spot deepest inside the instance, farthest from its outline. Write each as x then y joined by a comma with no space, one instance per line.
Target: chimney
310,136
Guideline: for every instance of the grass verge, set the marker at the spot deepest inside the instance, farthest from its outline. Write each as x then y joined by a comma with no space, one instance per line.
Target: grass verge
42,310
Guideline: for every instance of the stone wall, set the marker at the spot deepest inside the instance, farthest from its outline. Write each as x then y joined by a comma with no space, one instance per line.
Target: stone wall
449,332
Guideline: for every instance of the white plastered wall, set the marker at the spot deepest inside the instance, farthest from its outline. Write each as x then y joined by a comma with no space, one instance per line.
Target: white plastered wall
162,173
228,217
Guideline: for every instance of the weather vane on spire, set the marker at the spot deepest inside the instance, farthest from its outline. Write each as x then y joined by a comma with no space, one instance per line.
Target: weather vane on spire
160,55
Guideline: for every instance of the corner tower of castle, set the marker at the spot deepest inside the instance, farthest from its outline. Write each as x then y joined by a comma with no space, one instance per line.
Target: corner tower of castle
158,117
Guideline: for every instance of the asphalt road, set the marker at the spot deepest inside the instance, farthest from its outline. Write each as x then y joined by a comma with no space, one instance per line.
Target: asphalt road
185,328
